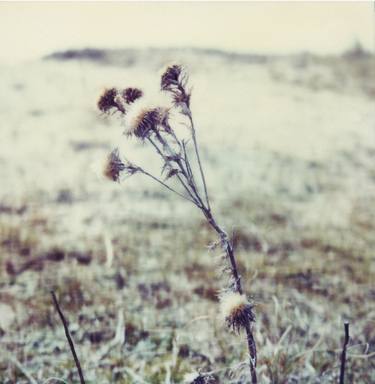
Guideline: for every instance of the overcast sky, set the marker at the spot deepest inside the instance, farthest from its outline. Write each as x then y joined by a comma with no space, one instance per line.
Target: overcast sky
29,30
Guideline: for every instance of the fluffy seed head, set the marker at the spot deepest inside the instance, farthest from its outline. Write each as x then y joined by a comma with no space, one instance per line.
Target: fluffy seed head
146,121
236,310
144,117
107,100
131,94
113,166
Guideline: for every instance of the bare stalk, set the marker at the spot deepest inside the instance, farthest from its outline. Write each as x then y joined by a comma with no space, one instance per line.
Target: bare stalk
198,158
228,247
68,337
190,172
343,353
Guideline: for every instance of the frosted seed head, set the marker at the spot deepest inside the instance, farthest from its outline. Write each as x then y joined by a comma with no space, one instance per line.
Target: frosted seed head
143,118
113,166
236,310
171,76
107,100
147,121
131,94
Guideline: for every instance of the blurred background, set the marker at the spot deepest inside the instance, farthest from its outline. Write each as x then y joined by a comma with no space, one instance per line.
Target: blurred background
283,100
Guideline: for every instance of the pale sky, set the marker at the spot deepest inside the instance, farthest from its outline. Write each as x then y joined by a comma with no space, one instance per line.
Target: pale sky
29,30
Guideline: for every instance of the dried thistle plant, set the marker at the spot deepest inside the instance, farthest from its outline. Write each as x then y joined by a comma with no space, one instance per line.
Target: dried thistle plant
153,125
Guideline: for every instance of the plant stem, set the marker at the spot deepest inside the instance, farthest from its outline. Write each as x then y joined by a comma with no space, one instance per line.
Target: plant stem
228,247
195,201
193,134
165,185
190,180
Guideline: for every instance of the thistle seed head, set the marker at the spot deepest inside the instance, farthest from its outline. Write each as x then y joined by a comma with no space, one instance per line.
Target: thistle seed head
236,310
146,122
113,166
131,94
174,80
144,118
107,100
171,77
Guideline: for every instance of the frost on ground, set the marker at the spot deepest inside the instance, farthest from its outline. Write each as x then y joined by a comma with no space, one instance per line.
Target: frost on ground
288,146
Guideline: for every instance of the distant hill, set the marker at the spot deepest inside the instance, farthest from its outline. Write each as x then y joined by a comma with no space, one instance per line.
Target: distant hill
130,56
354,68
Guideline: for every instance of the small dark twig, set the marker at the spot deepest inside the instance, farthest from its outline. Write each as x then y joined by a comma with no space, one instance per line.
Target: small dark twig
343,353
69,338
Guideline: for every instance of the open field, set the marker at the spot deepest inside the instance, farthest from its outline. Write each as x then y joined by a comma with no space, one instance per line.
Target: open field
288,145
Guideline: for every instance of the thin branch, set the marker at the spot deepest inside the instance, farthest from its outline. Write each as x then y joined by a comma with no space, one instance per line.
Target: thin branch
343,353
69,338
186,159
199,159
190,173
165,185
166,145
190,181
178,176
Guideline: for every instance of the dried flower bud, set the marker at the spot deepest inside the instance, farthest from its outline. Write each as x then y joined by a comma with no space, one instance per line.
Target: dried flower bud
141,122
146,122
107,100
171,77
236,310
114,166
174,80
172,172
131,94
